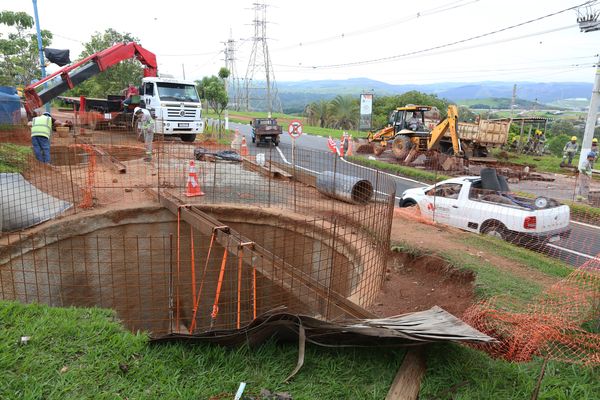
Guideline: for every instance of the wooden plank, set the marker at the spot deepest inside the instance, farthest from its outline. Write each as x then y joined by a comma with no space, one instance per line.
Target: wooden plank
118,165
407,383
271,266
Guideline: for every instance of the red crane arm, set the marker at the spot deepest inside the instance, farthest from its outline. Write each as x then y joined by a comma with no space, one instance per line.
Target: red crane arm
73,74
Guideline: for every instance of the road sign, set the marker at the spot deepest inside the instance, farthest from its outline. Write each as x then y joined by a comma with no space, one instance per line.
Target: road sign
295,129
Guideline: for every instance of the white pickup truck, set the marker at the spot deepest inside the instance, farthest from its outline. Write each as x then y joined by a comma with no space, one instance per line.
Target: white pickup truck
461,202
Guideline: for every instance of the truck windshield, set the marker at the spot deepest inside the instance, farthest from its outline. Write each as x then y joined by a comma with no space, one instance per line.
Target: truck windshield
177,92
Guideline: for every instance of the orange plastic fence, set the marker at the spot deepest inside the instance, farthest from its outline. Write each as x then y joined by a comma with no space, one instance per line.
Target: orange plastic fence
558,325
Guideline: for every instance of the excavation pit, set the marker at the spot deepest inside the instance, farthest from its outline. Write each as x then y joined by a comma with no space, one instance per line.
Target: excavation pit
142,263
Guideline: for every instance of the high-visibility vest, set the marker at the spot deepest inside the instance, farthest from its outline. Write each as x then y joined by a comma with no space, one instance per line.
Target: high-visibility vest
41,126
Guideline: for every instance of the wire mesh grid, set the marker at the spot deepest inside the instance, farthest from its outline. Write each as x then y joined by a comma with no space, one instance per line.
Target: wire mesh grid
287,244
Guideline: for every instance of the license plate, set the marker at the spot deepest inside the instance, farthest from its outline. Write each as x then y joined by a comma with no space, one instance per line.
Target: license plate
554,239
183,125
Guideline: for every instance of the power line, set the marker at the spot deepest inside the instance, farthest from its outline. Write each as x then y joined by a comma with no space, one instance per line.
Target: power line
382,26
438,47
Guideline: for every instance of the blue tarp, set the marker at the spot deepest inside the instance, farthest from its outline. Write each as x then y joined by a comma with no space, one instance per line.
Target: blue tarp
10,106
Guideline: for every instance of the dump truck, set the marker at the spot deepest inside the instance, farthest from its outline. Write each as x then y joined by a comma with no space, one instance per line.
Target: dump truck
174,104
410,127
265,131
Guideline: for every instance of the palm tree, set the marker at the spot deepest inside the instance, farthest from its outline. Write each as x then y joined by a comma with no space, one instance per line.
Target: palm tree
318,112
344,112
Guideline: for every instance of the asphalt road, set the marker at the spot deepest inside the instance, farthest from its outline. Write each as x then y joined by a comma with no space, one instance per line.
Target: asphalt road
582,246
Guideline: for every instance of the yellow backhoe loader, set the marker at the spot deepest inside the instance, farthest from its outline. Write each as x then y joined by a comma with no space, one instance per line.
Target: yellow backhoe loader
407,130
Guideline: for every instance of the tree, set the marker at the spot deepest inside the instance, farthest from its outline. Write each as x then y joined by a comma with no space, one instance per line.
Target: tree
556,144
212,89
19,54
318,113
561,126
344,112
114,79
465,114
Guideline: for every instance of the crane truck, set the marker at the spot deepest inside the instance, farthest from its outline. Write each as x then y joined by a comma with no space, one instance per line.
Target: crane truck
174,104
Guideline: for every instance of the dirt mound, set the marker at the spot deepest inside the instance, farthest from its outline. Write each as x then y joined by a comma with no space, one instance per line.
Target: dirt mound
415,283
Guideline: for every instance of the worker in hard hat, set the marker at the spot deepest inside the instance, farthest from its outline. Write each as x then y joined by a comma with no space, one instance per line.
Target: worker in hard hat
570,150
585,176
595,148
539,142
41,132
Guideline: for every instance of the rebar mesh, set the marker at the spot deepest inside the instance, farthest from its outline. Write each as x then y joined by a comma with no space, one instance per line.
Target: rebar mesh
261,236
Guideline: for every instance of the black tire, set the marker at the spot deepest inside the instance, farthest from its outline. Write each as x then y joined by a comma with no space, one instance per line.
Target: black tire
253,139
401,147
276,141
495,229
407,203
188,137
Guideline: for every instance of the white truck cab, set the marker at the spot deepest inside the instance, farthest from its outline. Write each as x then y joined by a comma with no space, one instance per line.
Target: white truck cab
175,106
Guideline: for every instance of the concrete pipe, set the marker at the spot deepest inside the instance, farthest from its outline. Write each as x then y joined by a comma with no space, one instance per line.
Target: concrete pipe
350,189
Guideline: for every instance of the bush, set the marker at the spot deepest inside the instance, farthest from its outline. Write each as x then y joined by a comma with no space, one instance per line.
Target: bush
556,144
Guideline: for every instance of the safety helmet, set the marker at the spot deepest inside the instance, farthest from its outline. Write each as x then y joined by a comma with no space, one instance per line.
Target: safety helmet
573,137
594,140
591,154
47,113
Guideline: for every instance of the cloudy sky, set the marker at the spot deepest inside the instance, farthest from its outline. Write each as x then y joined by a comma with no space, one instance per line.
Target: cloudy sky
397,42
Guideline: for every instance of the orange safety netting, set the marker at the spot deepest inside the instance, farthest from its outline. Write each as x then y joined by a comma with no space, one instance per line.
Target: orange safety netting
557,325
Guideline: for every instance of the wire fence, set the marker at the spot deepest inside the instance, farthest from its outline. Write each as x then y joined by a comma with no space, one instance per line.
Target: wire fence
194,238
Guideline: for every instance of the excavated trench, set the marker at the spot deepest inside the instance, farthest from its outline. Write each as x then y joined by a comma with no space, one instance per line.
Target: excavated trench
77,155
143,263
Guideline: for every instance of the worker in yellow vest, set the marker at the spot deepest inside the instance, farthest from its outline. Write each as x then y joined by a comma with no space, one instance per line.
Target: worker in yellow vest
41,131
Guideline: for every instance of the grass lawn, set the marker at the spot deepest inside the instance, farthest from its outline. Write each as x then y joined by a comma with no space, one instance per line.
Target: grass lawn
401,170
13,157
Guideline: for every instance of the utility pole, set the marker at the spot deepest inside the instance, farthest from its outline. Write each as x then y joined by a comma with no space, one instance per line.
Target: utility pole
590,124
40,45
514,97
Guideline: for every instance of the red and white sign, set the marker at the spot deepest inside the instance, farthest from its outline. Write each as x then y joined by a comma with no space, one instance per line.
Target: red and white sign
295,129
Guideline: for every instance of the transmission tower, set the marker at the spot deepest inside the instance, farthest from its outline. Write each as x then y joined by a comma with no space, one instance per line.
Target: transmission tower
232,83
260,89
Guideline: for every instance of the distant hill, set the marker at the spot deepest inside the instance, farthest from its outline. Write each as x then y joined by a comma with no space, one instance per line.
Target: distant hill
295,95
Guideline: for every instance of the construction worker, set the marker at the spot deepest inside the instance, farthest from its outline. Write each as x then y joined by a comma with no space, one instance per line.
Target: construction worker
146,126
414,122
570,150
41,131
585,176
129,92
595,148
539,142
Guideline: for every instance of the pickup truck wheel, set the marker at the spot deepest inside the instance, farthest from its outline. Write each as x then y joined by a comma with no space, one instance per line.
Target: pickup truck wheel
495,229
253,139
407,203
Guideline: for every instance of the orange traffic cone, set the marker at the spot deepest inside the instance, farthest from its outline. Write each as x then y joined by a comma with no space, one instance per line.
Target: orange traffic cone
244,148
193,186
331,145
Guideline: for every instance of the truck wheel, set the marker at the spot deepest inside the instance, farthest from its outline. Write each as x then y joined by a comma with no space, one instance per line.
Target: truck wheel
188,137
276,141
401,147
407,203
495,229
253,139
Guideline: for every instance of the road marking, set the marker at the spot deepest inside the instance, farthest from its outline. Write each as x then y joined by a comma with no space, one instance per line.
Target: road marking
385,173
584,224
573,252
297,166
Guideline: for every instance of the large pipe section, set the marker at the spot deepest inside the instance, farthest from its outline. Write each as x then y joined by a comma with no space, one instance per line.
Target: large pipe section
350,189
